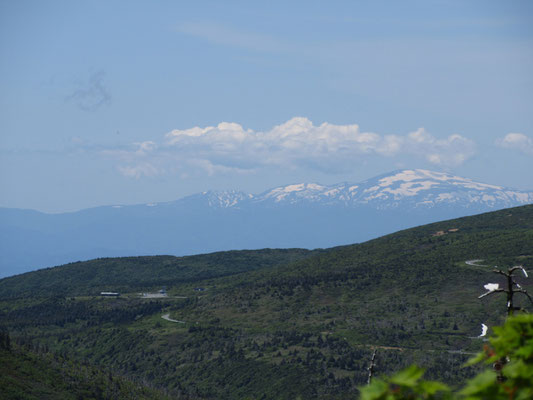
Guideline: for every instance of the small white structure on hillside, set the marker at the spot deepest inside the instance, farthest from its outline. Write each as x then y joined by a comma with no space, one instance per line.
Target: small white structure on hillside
161,293
109,294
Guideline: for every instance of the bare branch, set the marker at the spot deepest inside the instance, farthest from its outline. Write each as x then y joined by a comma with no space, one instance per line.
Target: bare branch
510,290
371,367
501,272
491,292
526,293
517,267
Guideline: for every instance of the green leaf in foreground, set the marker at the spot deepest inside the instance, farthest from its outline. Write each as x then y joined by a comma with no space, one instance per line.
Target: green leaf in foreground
406,384
513,344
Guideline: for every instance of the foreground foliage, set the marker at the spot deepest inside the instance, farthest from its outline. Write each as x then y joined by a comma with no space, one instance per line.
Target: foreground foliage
511,376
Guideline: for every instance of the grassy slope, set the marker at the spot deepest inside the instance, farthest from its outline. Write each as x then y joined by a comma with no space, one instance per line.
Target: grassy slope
303,328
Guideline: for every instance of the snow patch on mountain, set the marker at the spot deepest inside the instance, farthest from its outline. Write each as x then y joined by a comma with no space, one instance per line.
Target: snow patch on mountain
404,176
292,193
410,188
293,188
226,199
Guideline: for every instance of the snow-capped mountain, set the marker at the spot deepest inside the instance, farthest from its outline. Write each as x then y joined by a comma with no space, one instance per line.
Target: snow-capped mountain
421,188
407,188
306,215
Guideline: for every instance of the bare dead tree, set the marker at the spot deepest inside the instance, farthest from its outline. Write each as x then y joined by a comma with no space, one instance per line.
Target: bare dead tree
371,366
512,288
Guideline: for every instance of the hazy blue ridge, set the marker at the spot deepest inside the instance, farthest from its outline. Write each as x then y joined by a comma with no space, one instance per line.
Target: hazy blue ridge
301,215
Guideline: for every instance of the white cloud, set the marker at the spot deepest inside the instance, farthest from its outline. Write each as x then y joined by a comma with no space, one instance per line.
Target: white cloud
139,170
517,141
213,169
145,147
297,143
451,151
138,160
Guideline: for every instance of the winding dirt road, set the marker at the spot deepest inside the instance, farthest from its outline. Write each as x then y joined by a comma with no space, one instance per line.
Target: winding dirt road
166,317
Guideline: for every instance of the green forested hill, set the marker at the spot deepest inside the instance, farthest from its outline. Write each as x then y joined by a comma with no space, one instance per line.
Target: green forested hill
140,273
280,324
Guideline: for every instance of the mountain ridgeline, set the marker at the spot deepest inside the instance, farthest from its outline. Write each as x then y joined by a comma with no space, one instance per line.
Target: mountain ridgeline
279,323
295,216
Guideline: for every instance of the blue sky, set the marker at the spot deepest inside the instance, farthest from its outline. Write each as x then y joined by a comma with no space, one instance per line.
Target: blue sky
122,102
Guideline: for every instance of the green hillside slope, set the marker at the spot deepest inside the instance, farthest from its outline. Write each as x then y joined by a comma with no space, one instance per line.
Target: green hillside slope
140,273
281,326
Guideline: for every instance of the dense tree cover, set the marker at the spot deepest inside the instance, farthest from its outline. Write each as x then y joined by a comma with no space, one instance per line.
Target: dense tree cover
31,373
59,311
284,324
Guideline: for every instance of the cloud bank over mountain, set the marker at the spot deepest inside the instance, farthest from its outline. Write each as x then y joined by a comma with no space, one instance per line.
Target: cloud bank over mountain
297,143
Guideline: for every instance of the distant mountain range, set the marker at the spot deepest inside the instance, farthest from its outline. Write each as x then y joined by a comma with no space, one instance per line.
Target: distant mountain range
407,188
303,215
